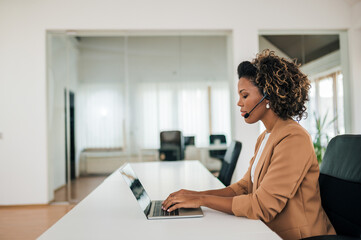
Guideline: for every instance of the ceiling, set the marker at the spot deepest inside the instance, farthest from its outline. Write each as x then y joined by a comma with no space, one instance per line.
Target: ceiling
305,48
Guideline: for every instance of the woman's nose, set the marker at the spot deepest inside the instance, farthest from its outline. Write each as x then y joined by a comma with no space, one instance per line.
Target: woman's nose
239,103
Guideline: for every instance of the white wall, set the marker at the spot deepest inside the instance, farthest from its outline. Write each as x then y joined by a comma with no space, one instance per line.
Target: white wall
355,66
356,16
23,24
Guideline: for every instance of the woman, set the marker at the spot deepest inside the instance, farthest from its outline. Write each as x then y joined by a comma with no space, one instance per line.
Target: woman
281,184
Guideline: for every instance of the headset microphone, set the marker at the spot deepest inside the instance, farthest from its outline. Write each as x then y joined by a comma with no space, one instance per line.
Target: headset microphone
247,114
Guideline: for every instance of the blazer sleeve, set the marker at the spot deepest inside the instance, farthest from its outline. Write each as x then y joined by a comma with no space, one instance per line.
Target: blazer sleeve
290,161
241,187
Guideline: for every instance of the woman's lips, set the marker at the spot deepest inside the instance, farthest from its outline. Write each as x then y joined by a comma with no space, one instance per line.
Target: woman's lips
243,113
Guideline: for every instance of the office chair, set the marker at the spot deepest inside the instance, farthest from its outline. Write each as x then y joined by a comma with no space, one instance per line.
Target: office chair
219,154
229,162
171,146
340,186
189,141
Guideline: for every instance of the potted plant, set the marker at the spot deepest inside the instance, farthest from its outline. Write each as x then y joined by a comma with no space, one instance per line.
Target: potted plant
321,138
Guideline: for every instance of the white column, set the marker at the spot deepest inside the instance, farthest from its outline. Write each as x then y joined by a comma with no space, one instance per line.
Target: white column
245,47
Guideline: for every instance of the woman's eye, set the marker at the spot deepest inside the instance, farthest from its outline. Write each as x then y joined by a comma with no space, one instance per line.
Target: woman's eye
245,96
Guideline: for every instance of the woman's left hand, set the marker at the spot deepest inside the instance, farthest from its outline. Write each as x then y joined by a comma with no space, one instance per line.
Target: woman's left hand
174,202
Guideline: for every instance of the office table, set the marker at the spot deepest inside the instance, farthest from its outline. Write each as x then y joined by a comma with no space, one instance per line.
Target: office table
112,212
205,154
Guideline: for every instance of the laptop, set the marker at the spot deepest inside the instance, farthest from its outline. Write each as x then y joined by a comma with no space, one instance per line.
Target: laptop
153,209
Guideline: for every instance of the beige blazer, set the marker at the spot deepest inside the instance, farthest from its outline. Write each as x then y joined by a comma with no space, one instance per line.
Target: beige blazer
285,193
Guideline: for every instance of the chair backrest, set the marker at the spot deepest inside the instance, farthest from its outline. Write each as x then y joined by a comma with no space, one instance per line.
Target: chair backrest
189,140
171,145
229,162
340,184
213,138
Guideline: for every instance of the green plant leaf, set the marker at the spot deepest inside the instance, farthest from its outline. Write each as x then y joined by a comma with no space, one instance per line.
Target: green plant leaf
319,147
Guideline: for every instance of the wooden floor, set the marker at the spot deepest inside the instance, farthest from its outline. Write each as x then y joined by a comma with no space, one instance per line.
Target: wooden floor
29,222
80,188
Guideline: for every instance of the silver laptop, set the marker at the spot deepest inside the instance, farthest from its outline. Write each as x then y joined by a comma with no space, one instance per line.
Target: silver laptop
153,209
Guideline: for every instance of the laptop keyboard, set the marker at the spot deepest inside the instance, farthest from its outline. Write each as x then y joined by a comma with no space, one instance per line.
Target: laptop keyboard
158,211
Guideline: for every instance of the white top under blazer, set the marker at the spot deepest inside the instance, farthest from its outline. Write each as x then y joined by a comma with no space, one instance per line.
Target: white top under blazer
259,153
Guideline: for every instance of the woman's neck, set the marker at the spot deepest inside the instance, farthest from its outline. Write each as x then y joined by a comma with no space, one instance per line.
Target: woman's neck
270,120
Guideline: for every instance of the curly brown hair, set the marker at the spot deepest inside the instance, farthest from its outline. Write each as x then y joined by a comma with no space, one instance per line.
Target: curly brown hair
286,86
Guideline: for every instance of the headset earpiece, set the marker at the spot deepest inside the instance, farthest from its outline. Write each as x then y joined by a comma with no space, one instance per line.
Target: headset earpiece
265,95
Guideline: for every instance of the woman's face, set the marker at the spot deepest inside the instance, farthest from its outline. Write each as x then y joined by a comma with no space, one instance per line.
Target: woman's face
249,96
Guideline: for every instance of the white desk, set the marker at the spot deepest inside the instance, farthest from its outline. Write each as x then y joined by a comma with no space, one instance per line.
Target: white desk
111,211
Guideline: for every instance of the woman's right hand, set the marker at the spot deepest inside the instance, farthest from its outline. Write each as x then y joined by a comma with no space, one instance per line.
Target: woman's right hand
183,192
193,199
179,193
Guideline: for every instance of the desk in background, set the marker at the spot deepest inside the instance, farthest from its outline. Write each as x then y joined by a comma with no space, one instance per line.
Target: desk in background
111,211
212,164
191,153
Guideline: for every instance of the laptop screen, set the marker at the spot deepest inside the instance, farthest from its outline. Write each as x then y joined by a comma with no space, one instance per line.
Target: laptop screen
137,188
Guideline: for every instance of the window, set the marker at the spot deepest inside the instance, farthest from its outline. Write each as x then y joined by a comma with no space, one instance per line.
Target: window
100,113
131,88
326,97
182,106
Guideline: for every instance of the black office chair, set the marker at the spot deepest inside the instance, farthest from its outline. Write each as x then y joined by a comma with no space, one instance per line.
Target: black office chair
171,146
340,186
229,162
189,141
219,154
